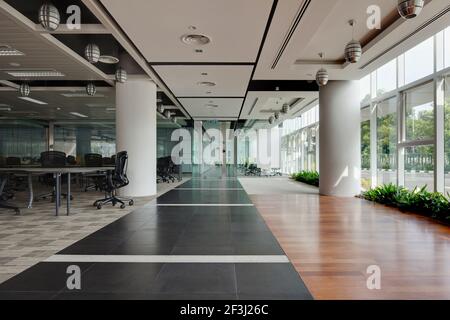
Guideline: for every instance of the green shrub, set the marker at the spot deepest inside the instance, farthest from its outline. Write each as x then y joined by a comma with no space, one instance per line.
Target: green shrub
308,177
432,204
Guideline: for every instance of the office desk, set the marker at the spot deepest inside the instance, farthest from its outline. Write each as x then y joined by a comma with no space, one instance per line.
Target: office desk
57,173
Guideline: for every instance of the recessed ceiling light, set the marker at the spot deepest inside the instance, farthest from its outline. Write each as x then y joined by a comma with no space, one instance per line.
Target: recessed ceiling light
14,64
206,84
81,95
6,51
35,73
8,109
108,59
58,109
195,39
79,115
32,100
211,105
110,109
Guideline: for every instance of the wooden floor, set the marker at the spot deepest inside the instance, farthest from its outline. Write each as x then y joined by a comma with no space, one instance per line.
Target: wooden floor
332,241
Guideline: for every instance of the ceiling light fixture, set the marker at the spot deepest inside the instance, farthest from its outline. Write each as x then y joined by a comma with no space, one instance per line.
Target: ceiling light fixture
168,114
49,17
277,115
7,51
211,105
91,90
206,84
195,39
410,9
7,109
92,53
24,89
353,49
121,75
322,76
108,59
35,73
33,100
80,115
82,95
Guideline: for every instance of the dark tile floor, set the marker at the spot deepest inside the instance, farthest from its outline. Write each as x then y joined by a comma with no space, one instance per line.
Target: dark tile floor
161,230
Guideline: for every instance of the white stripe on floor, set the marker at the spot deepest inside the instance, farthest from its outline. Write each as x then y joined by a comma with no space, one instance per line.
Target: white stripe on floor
207,189
204,205
166,259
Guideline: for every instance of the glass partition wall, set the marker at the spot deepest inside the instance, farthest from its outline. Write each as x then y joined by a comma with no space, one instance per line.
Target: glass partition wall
405,119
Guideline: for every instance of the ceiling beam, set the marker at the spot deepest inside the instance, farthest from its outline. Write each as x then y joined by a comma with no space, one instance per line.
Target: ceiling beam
84,29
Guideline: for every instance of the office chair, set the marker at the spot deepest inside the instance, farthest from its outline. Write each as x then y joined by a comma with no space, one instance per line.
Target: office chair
13,161
71,160
3,203
93,160
52,159
115,180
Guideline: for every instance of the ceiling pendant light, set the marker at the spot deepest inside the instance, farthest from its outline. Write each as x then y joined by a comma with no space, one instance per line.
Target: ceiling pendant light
92,53
277,115
322,75
24,90
271,120
160,108
168,114
410,9
121,75
91,89
49,17
353,50
285,108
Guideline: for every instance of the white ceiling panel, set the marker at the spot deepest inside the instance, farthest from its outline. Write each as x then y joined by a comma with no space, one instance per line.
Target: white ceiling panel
218,108
262,105
235,27
185,81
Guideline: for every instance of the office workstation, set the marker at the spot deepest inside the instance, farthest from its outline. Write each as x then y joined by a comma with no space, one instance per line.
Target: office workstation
253,150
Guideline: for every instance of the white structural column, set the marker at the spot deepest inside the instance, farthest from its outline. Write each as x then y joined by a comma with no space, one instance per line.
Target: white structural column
136,133
340,139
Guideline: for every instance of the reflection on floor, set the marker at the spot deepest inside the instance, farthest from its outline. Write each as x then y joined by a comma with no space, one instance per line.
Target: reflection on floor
37,234
332,241
204,240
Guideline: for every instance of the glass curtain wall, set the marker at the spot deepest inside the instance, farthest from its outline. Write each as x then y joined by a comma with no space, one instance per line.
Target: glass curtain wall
405,110
366,179
22,139
299,138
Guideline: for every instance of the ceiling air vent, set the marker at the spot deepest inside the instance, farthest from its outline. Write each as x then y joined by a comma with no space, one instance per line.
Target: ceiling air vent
195,39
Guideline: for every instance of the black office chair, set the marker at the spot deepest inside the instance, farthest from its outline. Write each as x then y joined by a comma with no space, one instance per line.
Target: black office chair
13,161
93,160
115,180
4,197
71,160
52,159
